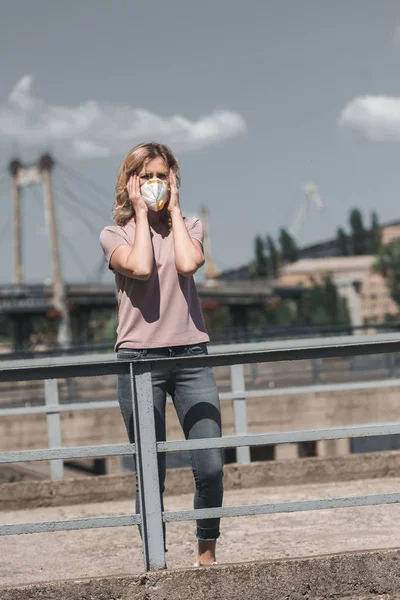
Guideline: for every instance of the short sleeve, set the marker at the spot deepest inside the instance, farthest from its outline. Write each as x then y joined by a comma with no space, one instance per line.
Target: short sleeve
195,229
111,239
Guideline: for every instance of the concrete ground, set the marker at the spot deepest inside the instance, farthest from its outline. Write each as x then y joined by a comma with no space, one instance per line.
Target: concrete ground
117,551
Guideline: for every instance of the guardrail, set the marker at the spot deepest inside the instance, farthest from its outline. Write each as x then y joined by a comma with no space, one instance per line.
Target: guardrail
238,394
151,516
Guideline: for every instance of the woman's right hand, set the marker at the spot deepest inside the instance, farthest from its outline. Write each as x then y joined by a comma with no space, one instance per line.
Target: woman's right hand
133,189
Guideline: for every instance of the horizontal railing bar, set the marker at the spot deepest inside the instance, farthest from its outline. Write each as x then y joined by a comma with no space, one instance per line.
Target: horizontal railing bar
212,349
256,439
281,437
280,507
67,453
268,392
105,365
301,342
57,408
70,524
205,513
311,389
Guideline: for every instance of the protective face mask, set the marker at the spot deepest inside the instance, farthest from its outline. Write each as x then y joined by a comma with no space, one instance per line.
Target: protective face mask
154,194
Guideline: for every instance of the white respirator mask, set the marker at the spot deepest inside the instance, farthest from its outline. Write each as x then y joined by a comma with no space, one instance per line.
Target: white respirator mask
154,193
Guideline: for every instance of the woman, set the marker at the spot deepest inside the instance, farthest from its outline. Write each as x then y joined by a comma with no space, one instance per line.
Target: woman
154,252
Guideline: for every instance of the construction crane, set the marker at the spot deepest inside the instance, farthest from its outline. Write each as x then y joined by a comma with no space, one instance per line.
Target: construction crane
310,196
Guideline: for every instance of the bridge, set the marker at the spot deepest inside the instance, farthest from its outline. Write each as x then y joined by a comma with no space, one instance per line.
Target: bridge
71,305
21,304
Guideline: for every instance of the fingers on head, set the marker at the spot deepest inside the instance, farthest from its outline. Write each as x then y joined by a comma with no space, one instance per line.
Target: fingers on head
132,182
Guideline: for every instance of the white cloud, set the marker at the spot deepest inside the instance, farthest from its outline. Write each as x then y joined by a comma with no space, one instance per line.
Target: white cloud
376,117
91,129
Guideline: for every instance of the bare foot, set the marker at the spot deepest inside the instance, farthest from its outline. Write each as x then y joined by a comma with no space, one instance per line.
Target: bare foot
206,553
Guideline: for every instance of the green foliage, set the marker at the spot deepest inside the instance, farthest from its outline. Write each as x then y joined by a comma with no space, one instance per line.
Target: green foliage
218,320
289,247
360,240
375,241
388,264
261,263
359,235
332,300
267,258
343,312
284,313
273,257
110,330
322,305
343,242
279,312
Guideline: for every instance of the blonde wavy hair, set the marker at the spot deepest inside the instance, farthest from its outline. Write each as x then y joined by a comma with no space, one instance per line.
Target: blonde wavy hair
123,210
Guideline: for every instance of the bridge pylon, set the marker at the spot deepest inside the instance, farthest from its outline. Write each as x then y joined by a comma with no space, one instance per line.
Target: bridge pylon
41,174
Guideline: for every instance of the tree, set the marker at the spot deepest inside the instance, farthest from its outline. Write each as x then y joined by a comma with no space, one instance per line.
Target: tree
375,241
322,305
388,264
343,242
359,235
261,264
288,245
281,312
332,300
273,256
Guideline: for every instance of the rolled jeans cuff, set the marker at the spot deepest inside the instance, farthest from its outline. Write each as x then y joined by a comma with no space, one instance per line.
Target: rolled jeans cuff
207,535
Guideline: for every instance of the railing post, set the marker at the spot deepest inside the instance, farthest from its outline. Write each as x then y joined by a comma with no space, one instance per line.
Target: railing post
240,411
254,371
391,362
316,370
53,426
147,466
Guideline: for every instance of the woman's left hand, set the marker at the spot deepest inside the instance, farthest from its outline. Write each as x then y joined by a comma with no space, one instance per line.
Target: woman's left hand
173,204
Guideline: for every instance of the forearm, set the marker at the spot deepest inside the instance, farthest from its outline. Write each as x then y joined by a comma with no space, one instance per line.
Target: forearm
188,257
140,260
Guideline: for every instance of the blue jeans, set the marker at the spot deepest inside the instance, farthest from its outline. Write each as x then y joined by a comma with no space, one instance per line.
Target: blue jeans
195,397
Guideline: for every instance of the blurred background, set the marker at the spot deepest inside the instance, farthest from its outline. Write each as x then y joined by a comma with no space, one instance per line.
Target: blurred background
285,118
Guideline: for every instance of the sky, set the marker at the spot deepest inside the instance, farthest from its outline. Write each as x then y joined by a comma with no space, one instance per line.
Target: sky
257,99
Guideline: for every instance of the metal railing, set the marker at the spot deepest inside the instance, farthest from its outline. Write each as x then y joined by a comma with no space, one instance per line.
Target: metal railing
238,393
145,449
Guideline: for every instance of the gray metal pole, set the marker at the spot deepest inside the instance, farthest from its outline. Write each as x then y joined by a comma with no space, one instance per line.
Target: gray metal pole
17,239
391,361
147,467
316,369
59,296
53,426
240,411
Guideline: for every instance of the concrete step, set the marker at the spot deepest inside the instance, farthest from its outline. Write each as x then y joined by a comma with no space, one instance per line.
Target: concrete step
373,575
116,552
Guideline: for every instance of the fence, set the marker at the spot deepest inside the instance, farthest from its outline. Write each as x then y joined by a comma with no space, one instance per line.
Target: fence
238,393
151,516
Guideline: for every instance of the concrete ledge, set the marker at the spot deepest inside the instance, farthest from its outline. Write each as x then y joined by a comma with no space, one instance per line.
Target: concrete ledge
351,575
31,494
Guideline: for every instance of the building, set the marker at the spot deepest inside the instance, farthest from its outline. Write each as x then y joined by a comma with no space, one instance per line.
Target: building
390,232
366,292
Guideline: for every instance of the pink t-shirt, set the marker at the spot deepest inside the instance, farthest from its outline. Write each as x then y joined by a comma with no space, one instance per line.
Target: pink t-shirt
164,310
